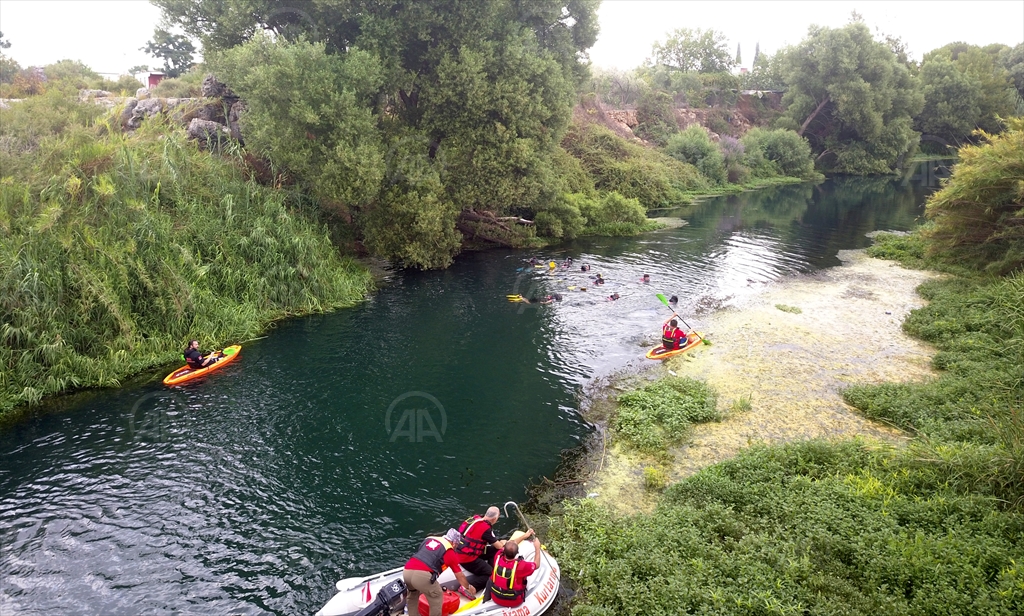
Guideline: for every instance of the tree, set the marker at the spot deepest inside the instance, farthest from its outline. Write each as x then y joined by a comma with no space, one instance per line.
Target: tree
311,113
739,57
951,106
990,85
138,68
757,52
979,214
853,99
656,120
694,50
1012,59
767,73
483,91
176,50
4,44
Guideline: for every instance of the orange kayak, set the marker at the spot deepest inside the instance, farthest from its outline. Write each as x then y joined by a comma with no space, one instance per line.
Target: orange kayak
659,351
185,373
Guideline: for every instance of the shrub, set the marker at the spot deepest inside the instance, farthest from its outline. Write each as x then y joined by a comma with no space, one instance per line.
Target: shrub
977,213
636,172
655,479
695,147
778,152
656,120
187,85
658,415
614,215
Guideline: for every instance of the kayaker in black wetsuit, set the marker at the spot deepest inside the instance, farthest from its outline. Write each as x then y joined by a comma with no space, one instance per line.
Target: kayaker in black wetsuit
196,359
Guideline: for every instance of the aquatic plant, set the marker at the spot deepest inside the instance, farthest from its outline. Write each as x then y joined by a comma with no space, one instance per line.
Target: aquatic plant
653,417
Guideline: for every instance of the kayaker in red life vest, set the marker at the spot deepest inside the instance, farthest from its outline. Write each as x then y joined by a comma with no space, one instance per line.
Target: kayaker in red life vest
421,571
475,551
671,336
507,586
196,359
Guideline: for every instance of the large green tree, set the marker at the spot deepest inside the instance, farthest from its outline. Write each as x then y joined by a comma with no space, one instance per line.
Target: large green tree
177,51
992,93
695,50
482,91
853,99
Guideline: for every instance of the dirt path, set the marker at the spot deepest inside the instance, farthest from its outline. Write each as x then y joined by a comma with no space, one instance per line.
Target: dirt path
792,367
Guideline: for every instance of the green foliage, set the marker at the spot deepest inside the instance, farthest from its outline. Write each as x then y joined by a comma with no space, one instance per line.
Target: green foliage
614,87
778,152
908,250
656,120
185,85
695,50
789,309
695,147
988,81
767,73
809,528
614,215
635,172
311,113
487,86
562,218
412,222
742,404
116,249
655,479
855,97
1012,59
8,69
658,415
175,50
977,213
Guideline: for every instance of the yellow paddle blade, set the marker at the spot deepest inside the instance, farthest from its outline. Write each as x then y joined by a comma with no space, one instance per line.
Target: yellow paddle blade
470,605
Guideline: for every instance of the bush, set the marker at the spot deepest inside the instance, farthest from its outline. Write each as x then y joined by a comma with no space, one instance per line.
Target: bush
695,147
778,152
658,415
187,85
977,213
635,172
656,119
655,479
808,528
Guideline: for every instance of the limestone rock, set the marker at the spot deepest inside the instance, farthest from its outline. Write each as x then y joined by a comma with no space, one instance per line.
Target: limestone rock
210,135
215,89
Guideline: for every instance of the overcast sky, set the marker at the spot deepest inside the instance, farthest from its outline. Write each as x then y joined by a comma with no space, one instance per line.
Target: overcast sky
107,34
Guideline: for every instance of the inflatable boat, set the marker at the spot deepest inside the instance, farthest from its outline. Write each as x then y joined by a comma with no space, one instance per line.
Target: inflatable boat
383,594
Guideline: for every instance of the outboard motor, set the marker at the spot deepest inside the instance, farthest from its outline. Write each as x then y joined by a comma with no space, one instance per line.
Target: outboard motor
390,600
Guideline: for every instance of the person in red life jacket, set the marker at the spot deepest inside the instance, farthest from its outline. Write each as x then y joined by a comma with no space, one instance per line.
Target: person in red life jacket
671,336
475,551
507,586
421,571
196,359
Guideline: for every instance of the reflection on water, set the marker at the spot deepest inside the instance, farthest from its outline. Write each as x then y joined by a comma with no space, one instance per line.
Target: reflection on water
338,441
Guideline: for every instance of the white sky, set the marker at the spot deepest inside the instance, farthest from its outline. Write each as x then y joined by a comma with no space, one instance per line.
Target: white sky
107,34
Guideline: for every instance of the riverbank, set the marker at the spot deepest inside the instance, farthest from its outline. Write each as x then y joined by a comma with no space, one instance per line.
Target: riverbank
796,503
789,367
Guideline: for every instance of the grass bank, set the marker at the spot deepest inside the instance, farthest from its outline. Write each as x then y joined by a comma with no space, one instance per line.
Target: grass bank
117,248
842,527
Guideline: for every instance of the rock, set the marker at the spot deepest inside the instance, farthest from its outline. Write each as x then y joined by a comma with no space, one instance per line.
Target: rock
84,95
215,89
128,112
233,116
142,93
210,135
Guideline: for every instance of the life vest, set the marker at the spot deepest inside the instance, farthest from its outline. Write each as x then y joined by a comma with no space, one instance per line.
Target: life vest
431,553
471,546
667,339
189,363
503,580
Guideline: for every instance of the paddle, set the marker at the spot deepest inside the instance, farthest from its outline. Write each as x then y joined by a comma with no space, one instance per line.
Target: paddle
664,300
470,605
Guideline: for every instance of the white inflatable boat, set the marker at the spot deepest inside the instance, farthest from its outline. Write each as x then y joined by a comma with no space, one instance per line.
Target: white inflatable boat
379,594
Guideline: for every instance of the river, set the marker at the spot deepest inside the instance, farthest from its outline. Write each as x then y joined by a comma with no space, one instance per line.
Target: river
338,441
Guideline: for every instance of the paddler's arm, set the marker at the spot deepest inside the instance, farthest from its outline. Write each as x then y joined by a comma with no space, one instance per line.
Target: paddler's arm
536,551
674,315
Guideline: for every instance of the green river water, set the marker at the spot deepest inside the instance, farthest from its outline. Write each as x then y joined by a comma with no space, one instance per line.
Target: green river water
333,445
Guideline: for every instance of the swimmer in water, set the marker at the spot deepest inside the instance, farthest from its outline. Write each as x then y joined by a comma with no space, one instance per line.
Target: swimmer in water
673,300
613,297
584,268
646,279
598,280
